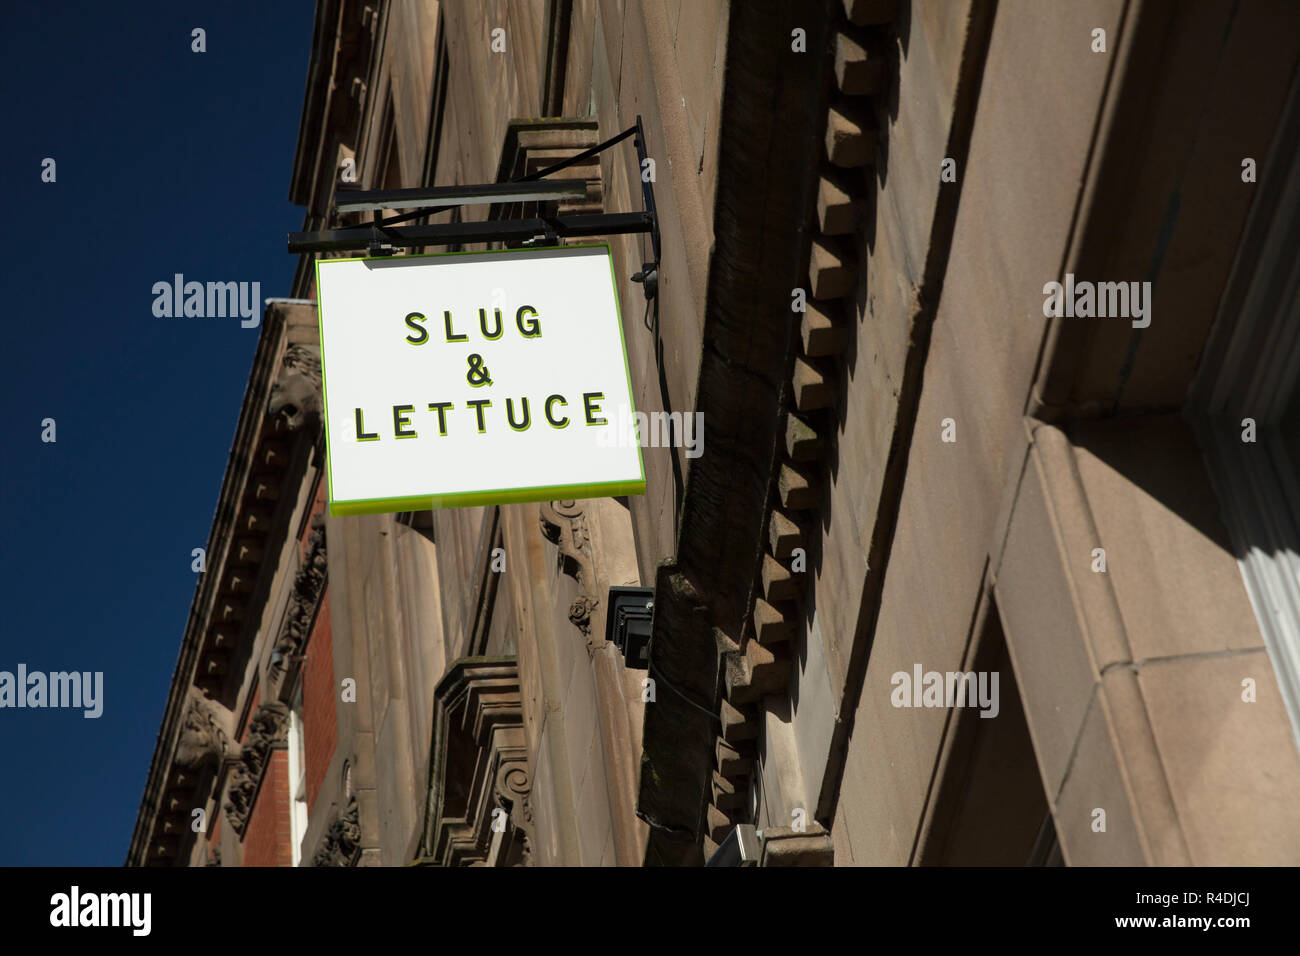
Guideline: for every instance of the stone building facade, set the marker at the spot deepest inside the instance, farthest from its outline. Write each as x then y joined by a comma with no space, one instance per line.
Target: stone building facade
913,469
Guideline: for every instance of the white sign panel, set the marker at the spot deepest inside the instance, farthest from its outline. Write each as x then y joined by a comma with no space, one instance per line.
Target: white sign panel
475,378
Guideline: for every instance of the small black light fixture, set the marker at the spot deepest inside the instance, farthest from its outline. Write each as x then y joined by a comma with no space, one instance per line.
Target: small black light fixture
649,278
627,624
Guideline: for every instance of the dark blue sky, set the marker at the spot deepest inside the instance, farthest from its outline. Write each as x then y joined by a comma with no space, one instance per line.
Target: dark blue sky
167,161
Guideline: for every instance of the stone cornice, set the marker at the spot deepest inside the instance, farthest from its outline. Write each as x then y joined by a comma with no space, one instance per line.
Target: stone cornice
702,642
760,663
278,412
343,39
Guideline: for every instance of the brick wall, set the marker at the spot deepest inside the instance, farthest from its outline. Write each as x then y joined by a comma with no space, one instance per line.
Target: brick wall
319,727
267,839
320,732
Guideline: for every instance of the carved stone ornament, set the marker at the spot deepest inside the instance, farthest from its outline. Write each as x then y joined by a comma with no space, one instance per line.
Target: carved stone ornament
206,733
342,843
296,394
478,809
580,613
514,794
308,585
267,731
564,523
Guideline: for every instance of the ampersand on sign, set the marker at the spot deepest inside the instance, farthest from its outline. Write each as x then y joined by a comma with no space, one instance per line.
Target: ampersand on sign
478,373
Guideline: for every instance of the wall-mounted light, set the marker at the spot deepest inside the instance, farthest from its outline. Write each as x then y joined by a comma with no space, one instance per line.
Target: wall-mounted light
627,625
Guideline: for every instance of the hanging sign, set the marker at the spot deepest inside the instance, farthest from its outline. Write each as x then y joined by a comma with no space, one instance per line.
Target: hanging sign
475,379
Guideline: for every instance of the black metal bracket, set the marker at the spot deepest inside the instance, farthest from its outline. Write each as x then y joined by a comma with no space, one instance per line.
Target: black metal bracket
383,236
378,244
649,274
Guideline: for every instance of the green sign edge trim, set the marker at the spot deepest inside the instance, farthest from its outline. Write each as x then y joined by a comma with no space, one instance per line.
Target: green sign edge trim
466,499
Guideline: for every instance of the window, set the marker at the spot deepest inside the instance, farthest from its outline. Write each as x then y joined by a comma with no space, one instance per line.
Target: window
1245,406
297,779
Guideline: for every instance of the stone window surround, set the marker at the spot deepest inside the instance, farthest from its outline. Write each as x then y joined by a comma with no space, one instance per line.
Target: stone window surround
297,777
1129,678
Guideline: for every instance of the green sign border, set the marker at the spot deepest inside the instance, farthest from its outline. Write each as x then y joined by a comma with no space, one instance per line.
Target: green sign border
498,496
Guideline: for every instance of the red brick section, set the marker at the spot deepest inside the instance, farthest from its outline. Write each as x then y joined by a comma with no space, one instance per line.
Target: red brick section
267,839
319,726
319,720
